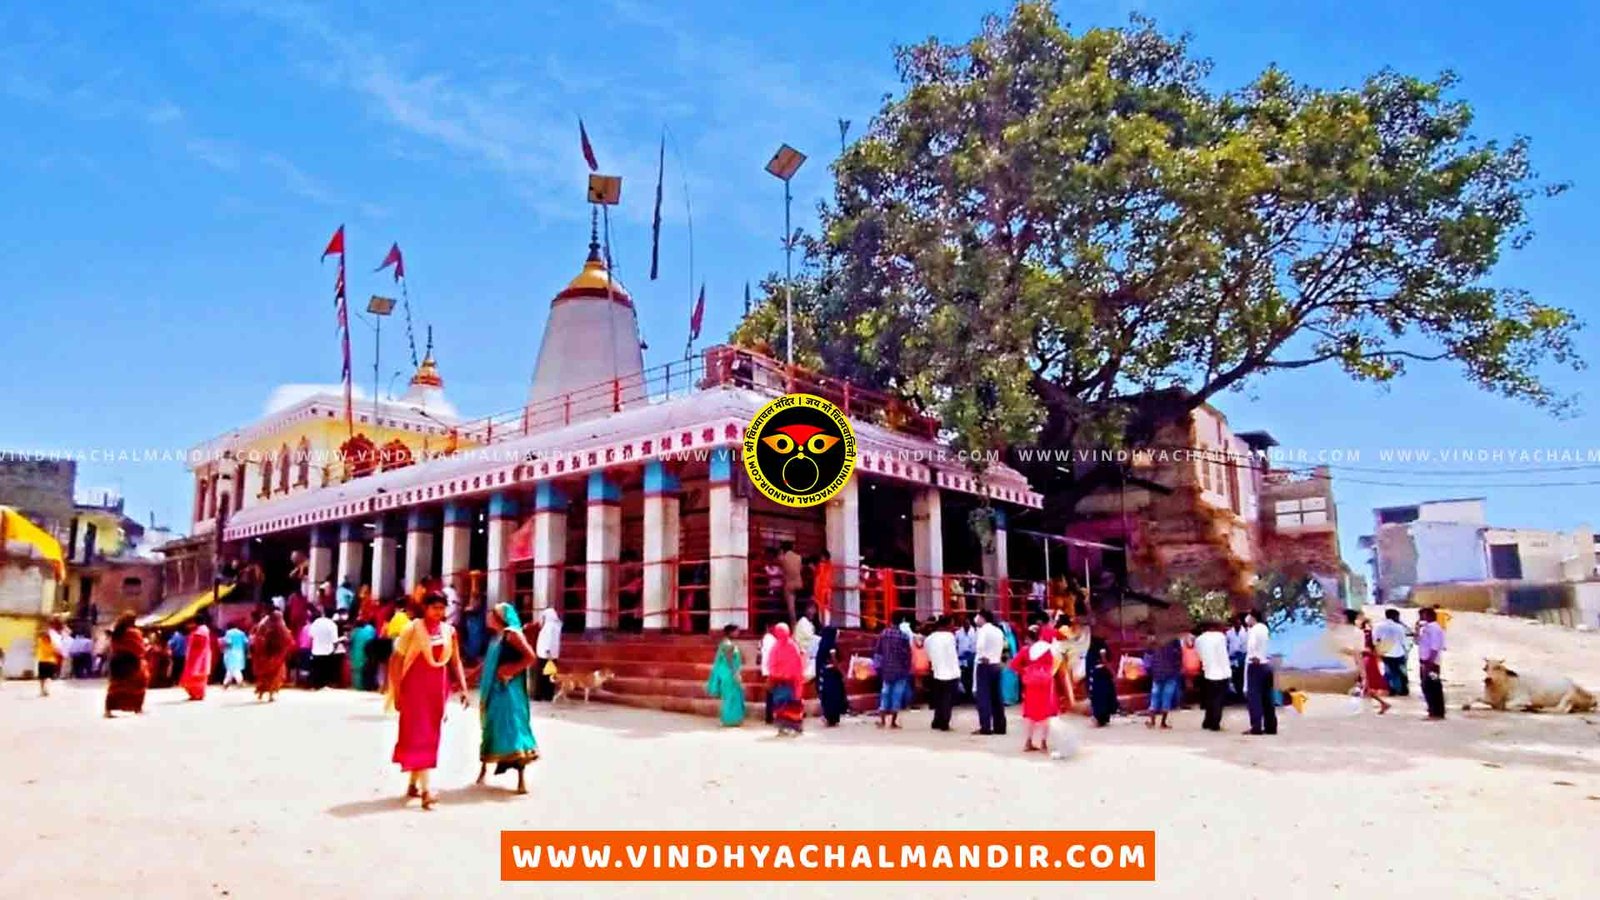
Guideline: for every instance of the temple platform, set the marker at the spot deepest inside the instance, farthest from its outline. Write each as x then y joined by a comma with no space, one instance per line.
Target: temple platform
668,672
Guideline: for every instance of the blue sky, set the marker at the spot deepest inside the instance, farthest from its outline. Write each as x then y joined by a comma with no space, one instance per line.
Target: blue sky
171,172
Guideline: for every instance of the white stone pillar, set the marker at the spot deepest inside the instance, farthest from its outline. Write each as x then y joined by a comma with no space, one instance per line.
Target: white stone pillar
419,547
927,548
604,526
352,553
502,525
549,546
660,545
730,545
319,563
385,578
843,529
455,555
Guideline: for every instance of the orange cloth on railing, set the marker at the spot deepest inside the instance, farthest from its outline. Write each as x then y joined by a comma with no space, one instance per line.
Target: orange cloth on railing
14,527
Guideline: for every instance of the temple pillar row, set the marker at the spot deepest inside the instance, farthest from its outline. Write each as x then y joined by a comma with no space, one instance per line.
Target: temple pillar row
730,545
352,553
927,549
661,531
319,562
385,578
454,555
419,547
604,549
502,525
549,545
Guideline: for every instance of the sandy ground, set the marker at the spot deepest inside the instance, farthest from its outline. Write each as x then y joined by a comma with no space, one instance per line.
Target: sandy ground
231,798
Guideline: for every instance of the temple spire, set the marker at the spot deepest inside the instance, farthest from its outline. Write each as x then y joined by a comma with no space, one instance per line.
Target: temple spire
594,235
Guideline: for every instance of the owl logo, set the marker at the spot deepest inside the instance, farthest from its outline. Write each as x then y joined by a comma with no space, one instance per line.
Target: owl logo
799,450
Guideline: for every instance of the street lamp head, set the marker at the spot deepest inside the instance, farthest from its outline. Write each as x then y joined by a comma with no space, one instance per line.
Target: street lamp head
785,162
380,306
605,190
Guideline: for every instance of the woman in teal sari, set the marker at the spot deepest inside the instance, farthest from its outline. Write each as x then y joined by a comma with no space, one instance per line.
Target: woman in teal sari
724,683
359,639
1010,681
503,698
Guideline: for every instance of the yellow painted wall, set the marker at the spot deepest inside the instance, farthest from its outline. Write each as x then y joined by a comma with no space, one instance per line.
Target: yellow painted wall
324,438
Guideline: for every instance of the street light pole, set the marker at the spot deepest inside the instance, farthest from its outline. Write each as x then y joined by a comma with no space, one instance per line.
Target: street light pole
788,275
782,166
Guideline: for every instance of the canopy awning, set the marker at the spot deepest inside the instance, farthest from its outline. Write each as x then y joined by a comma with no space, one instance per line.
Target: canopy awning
182,608
32,542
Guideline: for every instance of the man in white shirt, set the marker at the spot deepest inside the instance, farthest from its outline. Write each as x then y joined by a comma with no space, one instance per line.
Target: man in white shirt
1258,688
990,648
1216,671
546,650
324,635
946,664
1393,646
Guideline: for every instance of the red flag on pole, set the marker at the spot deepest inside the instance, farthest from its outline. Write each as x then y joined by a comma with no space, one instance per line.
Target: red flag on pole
699,314
342,316
588,148
335,245
394,259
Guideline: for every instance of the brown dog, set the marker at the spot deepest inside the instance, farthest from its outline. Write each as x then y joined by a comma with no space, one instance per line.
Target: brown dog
567,685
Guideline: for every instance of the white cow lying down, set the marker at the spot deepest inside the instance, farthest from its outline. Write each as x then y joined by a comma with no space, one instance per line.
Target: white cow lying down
1504,688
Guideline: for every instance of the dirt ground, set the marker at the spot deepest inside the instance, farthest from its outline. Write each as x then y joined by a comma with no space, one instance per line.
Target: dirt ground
232,798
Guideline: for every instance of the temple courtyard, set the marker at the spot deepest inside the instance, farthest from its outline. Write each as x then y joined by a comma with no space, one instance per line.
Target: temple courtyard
231,798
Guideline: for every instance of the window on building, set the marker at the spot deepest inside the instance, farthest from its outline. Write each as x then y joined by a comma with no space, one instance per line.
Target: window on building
1505,561
132,587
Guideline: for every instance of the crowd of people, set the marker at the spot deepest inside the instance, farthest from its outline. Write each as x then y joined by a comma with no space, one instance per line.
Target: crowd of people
980,659
417,647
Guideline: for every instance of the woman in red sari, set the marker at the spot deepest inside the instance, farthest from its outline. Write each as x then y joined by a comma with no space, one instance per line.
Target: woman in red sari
125,668
1036,666
786,675
197,659
270,646
1372,683
424,656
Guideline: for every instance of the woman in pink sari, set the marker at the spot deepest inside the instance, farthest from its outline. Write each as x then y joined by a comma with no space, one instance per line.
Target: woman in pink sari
419,669
785,680
197,659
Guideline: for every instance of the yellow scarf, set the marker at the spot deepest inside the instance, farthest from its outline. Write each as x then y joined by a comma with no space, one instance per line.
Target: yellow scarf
415,643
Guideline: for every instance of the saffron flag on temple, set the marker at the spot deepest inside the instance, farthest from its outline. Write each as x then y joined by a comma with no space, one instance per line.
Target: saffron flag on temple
655,223
335,244
699,314
394,259
588,148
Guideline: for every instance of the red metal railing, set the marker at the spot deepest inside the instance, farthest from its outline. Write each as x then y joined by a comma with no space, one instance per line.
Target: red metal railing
720,366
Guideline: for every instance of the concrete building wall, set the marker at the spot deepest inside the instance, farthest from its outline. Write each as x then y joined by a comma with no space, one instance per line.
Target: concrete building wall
1472,511
40,489
1449,551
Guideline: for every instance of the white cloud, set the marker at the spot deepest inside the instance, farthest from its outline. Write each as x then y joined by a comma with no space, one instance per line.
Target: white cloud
220,155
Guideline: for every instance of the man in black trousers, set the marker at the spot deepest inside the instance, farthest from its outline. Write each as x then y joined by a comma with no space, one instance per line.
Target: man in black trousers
1216,673
946,665
991,647
1258,677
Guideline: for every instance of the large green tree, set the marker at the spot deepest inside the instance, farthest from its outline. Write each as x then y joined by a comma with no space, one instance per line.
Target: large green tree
1045,230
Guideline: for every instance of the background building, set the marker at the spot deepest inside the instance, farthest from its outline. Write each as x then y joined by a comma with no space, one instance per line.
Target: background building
1446,552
